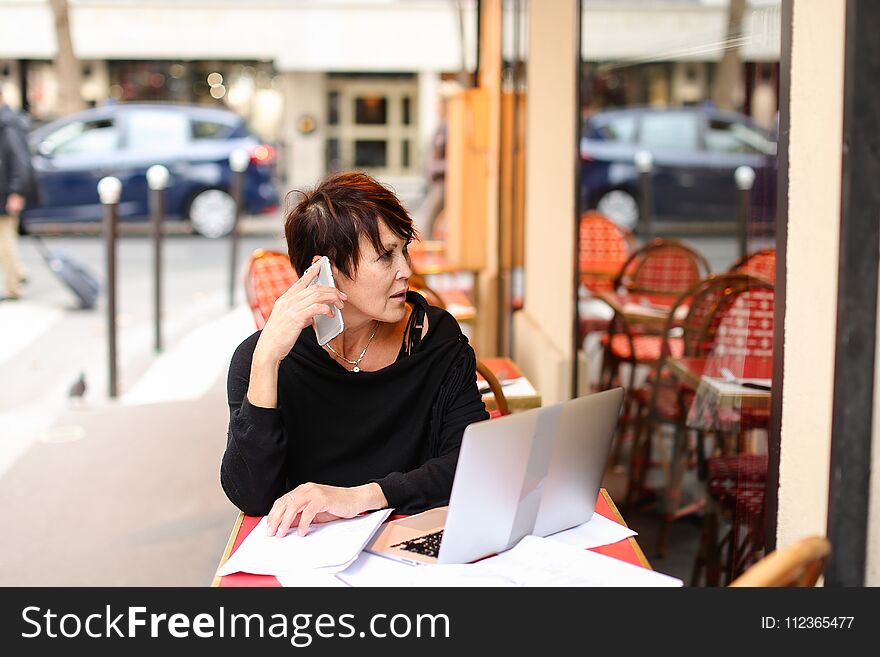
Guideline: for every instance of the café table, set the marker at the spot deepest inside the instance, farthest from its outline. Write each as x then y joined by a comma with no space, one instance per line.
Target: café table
718,402
627,550
650,311
518,390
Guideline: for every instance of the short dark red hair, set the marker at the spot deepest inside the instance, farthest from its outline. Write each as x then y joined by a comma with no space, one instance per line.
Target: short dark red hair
330,219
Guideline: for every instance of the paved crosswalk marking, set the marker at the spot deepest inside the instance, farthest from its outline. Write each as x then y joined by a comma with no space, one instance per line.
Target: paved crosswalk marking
21,323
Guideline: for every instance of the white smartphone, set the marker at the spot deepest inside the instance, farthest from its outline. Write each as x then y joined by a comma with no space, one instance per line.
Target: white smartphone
326,328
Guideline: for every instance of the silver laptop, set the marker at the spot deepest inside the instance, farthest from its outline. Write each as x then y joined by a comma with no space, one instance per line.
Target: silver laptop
534,472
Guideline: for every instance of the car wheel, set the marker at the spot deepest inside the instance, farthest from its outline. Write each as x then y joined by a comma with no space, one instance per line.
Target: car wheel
621,207
212,213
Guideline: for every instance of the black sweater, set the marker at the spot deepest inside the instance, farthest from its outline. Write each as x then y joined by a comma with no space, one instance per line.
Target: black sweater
400,426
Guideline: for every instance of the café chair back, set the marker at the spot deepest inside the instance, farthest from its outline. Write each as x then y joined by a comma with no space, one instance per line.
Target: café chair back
718,319
495,386
797,565
761,264
663,270
662,267
603,247
269,275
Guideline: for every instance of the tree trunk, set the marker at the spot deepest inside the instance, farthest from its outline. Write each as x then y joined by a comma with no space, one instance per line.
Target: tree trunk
728,90
68,71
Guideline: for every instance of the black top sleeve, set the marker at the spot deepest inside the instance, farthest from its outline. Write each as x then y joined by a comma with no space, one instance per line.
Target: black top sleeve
17,160
458,404
252,472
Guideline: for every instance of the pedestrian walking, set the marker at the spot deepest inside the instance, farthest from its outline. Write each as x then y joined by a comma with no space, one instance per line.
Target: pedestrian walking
17,185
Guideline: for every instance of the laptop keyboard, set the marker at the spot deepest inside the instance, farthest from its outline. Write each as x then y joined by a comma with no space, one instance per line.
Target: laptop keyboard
428,545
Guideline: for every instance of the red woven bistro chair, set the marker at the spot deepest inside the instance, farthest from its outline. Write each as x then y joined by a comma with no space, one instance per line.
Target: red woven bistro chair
665,400
662,270
603,247
734,473
761,264
269,275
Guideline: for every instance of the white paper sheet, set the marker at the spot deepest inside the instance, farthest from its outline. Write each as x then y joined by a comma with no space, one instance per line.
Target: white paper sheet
536,561
518,387
373,570
736,388
597,531
331,546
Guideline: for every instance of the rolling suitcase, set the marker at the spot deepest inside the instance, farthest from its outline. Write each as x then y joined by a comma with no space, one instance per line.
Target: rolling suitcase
75,276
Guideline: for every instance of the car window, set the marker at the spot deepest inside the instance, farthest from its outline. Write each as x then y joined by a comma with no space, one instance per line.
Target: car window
151,130
208,129
669,131
83,137
731,137
622,129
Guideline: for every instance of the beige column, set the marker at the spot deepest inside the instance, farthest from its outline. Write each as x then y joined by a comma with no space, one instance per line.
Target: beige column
543,344
486,328
817,63
304,94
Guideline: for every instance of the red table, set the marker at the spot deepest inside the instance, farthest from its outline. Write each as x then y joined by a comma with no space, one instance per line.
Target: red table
626,550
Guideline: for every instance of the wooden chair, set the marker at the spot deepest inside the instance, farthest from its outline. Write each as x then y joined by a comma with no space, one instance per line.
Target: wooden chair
603,247
761,264
269,275
797,565
665,400
735,475
495,386
665,269
417,283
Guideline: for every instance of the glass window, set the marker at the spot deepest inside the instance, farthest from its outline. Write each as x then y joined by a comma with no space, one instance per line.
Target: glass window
371,110
728,137
669,131
370,153
208,130
622,129
80,137
406,111
333,108
332,154
153,130
404,156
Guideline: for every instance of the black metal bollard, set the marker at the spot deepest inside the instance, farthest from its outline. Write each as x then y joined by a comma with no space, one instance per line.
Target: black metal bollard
157,180
645,164
239,160
745,180
109,190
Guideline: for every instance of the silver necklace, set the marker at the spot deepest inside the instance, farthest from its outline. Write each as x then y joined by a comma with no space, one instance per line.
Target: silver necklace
357,362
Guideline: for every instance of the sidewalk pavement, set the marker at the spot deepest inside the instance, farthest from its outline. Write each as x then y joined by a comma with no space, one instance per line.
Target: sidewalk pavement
126,492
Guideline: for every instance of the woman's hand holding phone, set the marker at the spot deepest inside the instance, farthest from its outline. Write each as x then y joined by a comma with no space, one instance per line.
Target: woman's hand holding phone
293,311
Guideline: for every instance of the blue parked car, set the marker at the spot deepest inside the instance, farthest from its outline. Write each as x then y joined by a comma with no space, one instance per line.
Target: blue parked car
73,153
695,151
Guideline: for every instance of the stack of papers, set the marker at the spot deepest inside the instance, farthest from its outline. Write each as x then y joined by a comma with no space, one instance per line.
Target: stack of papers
539,561
328,548
534,561
597,531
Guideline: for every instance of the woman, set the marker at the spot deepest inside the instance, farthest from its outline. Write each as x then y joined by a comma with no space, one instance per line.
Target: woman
372,420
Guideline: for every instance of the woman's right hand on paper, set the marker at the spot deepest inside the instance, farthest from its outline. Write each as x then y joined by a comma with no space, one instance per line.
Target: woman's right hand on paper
293,311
